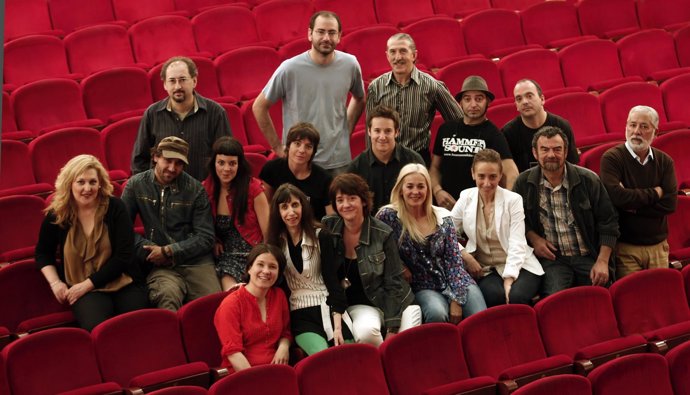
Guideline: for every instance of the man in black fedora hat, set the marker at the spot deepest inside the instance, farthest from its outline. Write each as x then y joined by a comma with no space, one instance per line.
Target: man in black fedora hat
458,141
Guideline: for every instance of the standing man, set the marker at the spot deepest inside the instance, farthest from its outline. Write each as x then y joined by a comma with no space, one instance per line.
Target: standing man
569,218
529,100
458,141
415,95
314,87
382,161
178,228
641,181
184,114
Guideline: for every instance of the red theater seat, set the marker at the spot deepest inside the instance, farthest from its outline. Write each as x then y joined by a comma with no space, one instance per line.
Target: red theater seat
50,104
679,235
325,370
281,21
105,99
260,380
294,48
607,18
22,65
676,94
156,39
583,112
679,366
17,171
663,321
197,6
22,217
682,38
675,144
134,10
70,15
591,158
503,342
47,160
460,9
617,102
55,361
9,124
580,322
564,384
99,47
238,130
254,134
516,5
429,358
500,114
211,29
634,51
576,69
504,37
632,374
143,349
24,17
198,331
117,140
552,24
390,11
244,72
666,14
26,302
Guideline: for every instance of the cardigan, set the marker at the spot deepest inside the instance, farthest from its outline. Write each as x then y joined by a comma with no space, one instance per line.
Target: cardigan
51,239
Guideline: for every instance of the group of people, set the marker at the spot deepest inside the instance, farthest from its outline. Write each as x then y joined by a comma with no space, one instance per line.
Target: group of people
325,250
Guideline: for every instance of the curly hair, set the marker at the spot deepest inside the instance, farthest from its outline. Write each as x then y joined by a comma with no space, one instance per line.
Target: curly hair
63,205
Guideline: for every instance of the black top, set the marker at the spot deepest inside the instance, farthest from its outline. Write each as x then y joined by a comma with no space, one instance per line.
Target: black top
519,138
355,292
276,172
51,240
457,143
296,254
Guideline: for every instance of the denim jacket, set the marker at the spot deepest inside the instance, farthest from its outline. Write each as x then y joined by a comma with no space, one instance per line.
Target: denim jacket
380,267
178,215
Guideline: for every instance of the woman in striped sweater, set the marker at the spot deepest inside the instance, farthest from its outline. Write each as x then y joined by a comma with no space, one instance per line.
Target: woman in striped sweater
318,318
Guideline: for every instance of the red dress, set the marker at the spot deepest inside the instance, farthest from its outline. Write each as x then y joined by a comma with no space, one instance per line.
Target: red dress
241,329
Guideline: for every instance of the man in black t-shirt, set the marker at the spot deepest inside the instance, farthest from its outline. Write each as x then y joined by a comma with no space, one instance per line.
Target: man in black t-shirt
458,141
529,100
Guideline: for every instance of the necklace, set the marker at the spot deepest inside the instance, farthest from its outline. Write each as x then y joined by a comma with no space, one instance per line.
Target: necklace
345,283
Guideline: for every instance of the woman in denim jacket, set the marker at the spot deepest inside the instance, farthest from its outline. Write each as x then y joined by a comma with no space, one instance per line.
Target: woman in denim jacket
367,265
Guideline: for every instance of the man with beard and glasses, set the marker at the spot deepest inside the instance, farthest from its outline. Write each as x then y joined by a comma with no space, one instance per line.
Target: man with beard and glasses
313,87
415,95
184,114
529,100
569,218
641,181
176,248
458,141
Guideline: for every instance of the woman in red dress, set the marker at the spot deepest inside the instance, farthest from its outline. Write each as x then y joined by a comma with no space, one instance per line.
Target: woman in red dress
253,322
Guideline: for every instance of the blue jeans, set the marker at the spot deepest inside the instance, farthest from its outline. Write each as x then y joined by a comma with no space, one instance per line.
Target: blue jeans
436,306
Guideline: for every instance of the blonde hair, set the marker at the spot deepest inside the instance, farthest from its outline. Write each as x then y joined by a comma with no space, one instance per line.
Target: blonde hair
409,223
63,205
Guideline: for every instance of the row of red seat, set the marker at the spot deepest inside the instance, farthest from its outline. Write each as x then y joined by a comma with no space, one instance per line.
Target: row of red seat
240,74
152,41
573,331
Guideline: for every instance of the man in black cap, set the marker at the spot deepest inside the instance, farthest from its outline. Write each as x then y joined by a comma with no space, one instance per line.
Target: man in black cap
458,141
178,227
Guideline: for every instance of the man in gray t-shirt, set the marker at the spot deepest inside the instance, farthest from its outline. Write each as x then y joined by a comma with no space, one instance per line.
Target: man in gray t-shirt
314,87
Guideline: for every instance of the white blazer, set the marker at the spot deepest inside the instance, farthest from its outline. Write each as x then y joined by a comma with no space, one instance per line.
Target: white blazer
509,217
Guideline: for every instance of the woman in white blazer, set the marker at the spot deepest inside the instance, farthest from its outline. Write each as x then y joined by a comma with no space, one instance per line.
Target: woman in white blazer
497,254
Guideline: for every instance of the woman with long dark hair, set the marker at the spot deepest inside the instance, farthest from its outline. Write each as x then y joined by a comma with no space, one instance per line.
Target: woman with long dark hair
239,207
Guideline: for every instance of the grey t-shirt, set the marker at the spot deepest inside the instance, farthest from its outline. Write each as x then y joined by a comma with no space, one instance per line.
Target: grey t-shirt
318,94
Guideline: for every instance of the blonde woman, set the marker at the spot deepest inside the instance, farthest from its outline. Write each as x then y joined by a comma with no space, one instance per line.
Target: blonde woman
429,248
90,230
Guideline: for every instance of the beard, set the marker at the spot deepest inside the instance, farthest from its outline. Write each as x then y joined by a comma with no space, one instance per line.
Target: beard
552,165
